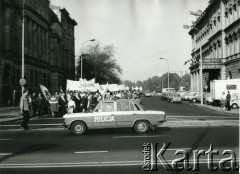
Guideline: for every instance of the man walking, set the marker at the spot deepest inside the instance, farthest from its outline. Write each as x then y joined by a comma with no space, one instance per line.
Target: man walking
24,109
228,99
223,100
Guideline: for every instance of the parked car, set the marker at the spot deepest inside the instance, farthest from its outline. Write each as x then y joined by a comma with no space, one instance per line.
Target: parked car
164,96
176,98
186,96
148,94
194,97
114,114
169,96
207,98
235,103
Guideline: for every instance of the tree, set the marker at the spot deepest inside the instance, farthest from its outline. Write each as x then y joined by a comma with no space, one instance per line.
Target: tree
186,81
99,63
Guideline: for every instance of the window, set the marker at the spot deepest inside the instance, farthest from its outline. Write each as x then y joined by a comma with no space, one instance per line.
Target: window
125,106
132,107
98,108
108,107
231,87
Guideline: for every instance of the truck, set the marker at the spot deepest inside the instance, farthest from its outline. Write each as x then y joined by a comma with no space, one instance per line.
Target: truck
166,90
217,87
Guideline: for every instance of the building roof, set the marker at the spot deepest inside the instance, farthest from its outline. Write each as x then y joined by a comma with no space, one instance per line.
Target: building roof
199,20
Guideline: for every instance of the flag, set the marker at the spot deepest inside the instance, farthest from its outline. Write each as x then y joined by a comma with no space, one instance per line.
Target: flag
45,92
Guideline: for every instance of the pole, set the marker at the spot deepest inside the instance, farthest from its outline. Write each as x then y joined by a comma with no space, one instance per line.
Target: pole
168,74
201,74
168,70
81,65
23,44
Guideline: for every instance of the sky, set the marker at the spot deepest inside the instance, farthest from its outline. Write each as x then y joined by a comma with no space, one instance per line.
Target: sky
141,30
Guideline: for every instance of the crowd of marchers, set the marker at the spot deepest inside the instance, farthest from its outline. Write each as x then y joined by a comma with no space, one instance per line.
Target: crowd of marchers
58,104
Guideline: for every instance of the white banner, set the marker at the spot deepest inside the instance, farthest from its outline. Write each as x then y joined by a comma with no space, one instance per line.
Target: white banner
89,86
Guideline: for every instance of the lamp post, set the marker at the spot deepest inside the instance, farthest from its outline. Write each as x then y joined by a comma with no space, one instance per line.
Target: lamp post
92,40
23,11
168,70
201,60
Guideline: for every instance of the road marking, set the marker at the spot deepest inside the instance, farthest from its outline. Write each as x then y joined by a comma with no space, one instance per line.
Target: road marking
96,164
6,139
5,154
91,152
32,125
140,136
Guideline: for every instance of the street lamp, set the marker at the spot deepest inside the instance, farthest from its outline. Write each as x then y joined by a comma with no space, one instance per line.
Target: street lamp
168,70
92,40
201,60
23,45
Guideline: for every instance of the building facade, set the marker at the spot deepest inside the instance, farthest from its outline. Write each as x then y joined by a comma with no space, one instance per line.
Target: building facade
217,33
49,60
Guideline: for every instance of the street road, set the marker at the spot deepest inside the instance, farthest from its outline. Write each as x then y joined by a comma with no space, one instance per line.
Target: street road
48,148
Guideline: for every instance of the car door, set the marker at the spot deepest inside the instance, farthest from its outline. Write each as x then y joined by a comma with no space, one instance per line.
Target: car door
104,116
126,113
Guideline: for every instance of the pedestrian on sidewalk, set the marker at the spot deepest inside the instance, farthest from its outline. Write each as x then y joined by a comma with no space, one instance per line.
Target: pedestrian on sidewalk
228,99
24,109
223,97
40,104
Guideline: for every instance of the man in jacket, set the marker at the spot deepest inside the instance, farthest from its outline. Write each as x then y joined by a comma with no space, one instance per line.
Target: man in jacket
24,109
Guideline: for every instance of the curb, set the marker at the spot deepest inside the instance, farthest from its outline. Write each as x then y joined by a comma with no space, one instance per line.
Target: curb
215,110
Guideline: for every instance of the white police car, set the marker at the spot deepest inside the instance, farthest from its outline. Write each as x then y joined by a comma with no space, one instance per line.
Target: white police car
114,114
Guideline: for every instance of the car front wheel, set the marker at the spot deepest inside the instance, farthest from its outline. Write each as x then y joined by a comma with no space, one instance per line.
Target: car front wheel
141,127
234,106
78,128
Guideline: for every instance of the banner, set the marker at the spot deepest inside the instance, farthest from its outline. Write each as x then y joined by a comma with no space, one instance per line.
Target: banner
89,86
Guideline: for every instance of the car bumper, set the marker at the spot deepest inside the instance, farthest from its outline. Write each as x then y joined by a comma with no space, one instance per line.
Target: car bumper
65,125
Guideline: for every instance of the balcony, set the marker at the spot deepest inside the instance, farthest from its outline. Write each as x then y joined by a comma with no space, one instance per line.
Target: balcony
208,63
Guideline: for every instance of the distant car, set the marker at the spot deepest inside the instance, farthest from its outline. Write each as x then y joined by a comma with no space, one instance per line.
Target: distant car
169,96
235,103
114,114
148,94
207,98
186,96
164,96
176,98
194,97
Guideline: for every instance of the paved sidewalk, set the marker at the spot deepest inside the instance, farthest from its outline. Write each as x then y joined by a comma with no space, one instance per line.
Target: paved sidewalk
219,109
9,114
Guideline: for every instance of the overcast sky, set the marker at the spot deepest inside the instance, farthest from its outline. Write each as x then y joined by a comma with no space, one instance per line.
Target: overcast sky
141,30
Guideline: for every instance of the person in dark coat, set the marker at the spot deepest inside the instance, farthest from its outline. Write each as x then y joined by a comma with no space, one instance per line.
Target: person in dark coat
34,104
77,99
62,104
228,99
84,102
39,103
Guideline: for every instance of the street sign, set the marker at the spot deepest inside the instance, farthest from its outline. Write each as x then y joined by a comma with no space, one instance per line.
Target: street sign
22,82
